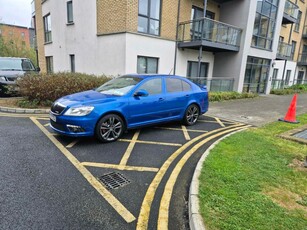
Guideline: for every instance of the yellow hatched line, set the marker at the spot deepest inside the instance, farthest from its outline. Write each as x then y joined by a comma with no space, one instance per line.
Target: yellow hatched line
185,133
168,189
120,167
43,118
233,122
48,124
122,211
151,142
148,199
72,144
177,129
130,148
219,121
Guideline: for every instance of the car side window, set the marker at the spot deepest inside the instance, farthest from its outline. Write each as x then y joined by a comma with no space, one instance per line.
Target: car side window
176,85
153,86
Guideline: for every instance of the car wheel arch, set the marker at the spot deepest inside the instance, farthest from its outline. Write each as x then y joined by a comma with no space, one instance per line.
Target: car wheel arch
113,112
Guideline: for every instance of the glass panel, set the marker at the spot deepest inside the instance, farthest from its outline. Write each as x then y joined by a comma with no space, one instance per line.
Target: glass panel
152,65
141,65
173,85
155,9
143,7
256,24
261,42
266,8
186,86
264,26
273,12
154,27
259,6
142,24
69,12
153,86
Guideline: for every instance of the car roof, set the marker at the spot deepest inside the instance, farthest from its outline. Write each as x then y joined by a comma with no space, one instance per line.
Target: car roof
153,75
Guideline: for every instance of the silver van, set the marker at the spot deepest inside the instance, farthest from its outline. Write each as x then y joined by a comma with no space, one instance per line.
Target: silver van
13,68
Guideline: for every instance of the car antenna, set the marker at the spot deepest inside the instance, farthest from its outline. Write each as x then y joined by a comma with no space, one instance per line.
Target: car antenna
170,71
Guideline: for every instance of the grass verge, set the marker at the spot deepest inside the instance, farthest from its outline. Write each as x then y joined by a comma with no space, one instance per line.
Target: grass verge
256,180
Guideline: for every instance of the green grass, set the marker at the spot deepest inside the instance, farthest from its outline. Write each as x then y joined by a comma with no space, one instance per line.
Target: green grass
251,181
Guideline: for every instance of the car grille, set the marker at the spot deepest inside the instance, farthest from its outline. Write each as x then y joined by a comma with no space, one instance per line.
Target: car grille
57,108
57,126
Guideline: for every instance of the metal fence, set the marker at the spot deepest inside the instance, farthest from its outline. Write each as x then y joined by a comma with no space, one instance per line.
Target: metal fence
282,84
215,84
291,9
284,50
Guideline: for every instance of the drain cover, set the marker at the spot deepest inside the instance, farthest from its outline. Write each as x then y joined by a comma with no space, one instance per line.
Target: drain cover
302,134
114,180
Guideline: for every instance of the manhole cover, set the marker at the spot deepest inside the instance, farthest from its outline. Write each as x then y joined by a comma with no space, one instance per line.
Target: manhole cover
302,134
114,180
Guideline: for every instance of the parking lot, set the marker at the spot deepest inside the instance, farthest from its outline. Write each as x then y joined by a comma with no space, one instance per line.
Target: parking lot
138,182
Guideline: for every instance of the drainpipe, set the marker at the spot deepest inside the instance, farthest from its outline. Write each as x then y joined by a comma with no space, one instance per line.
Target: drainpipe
177,31
201,47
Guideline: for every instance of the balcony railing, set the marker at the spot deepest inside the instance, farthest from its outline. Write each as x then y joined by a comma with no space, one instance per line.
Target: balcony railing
302,59
215,84
284,51
209,30
290,12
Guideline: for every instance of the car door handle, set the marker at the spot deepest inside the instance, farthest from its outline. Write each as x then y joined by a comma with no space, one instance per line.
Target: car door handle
187,95
161,99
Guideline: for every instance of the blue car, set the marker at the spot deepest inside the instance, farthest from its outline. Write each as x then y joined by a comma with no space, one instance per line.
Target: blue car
128,102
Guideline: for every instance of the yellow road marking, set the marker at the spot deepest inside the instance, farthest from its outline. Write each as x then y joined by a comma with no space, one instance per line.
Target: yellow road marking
72,144
234,122
219,121
48,124
130,148
185,133
151,142
43,118
148,199
168,189
177,129
128,217
120,167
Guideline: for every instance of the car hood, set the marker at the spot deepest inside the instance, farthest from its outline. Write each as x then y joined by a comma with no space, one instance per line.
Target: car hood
89,97
12,74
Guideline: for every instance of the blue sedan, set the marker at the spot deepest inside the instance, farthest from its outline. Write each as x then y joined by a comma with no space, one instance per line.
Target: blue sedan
128,102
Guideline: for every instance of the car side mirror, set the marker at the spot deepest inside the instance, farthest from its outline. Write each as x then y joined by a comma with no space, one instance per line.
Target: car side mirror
38,69
141,93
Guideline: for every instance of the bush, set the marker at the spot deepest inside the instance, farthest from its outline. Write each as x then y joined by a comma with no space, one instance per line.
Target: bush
41,88
302,88
222,96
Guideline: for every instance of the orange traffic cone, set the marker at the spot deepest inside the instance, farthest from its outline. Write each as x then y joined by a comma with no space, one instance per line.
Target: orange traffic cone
290,116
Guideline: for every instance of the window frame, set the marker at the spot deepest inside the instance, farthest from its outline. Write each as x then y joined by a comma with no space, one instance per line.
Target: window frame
72,60
149,18
70,3
47,30
189,65
146,67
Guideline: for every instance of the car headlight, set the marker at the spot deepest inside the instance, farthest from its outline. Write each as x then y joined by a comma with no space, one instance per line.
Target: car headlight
79,111
2,79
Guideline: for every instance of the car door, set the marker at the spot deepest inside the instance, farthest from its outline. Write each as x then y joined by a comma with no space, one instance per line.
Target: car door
147,109
178,93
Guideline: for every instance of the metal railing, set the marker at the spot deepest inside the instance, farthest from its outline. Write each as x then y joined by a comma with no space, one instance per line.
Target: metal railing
278,84
291,9
210,30
284,50
302,58
215,84
254,87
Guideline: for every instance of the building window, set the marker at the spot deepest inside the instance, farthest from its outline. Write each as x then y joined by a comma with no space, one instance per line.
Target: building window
293,49
49,64
47,28
300,77
149,16
22,35
298,22
70,16
256,75
147,65
72,63
192,71
275,73
264,25
288,74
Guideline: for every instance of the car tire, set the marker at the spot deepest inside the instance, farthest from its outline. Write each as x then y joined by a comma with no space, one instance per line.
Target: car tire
191,115
109,128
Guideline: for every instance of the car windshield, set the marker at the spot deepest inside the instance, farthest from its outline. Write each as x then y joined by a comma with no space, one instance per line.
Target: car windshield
119,86
16,65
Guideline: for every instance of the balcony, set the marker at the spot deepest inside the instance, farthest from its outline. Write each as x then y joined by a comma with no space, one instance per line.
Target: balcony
284,51
302,59
212,35
290,13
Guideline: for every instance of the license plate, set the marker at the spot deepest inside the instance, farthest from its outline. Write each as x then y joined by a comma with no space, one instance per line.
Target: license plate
52,117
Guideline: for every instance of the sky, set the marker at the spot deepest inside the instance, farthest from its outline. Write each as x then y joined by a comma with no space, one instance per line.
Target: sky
16,12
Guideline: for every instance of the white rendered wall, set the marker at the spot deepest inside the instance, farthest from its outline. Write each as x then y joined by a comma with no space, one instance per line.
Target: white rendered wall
93,54
290,65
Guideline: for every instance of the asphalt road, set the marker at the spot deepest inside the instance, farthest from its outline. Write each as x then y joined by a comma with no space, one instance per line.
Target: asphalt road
54,182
